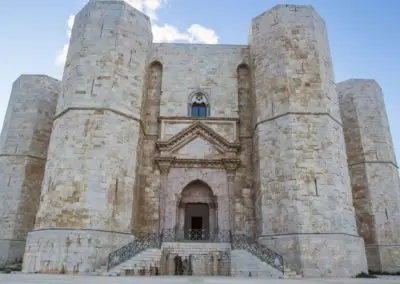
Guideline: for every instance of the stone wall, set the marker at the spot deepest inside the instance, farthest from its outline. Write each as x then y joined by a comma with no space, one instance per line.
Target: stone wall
92,161
209,68
23,151
373,170
304,185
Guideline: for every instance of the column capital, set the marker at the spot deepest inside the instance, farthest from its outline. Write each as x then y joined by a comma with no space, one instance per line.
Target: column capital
164,164
231,166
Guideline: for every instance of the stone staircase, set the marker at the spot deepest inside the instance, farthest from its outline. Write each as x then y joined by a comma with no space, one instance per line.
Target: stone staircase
146,262
240,258
244,264
207,259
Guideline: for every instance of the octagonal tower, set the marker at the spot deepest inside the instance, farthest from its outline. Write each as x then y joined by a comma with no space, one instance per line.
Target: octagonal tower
87,195
303,196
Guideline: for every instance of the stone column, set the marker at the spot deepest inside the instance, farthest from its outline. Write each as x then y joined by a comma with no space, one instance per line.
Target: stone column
230,167
164,165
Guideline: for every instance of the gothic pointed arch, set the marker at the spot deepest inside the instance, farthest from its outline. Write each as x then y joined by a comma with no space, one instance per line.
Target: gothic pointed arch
198,104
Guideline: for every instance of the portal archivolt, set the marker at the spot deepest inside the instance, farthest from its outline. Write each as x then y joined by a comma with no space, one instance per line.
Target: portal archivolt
197,211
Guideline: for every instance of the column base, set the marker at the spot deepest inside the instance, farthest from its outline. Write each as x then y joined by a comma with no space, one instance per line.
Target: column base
68,251
11,251
383,258
320,255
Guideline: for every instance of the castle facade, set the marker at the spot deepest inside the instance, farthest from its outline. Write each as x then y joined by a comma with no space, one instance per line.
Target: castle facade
217,152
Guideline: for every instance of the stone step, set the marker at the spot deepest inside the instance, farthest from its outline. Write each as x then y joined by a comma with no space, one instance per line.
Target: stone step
237,263
244,264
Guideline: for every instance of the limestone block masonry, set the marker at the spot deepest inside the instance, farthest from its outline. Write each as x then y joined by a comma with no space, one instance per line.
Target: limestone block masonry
373,170
208,259
23,150
303,187
195,149
91,167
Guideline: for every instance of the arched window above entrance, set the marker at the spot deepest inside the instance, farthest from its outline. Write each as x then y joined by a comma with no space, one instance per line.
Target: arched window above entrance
198,105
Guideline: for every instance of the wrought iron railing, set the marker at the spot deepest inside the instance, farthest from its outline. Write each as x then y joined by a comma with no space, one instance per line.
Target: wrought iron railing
133,248
196,235
174,235
259,250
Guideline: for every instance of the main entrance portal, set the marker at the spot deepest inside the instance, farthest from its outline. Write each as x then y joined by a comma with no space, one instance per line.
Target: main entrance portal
197,212
197,221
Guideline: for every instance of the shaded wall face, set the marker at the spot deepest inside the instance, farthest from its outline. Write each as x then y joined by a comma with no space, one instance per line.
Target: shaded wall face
146,212
374,173
23,152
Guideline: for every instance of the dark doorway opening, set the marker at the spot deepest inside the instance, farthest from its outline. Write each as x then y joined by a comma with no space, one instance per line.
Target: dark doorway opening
197,223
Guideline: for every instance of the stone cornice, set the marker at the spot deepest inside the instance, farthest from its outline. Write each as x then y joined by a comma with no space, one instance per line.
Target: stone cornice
194,119
198,129
230,164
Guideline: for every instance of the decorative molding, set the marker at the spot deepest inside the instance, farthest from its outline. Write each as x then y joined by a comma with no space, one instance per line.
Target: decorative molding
188,119
172,162
198,129
164,164
231,165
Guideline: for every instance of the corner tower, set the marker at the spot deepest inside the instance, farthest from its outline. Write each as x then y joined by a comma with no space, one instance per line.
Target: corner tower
373,171
23,150
304,202
88,189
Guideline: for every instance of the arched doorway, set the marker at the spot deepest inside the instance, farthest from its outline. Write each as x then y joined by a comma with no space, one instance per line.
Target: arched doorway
197,212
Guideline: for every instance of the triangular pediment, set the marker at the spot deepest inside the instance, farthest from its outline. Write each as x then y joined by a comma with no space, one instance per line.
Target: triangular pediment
198,135
198,148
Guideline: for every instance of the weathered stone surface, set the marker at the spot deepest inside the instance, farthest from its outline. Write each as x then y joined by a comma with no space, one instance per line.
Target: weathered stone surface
23,150
302,184
321,255
373,170
56,251
92,162
207,68
128,158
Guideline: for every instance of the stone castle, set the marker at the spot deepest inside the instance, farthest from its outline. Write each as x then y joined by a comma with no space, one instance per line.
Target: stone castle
248,159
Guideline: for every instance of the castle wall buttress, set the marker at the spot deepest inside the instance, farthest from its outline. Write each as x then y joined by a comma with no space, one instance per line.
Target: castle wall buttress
306,209
147,213
373,171
244,205
87,195
23,151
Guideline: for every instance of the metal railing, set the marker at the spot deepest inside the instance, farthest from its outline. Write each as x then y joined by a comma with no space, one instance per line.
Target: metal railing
216,236
133,248
196,235
259,250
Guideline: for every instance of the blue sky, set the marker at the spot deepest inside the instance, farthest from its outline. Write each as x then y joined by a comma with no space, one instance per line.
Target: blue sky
363,35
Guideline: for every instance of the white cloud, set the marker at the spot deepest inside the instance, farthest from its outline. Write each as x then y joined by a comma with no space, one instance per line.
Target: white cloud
149,7
194,34
202,34
62,54
161,33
